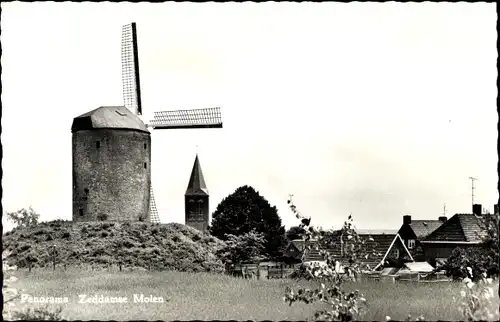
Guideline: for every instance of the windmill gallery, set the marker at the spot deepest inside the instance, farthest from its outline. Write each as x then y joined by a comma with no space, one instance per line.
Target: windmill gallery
111,151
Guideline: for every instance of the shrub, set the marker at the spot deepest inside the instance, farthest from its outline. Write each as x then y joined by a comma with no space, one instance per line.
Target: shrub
341,305
38,314
102,217
104,234
480,261
476,298
24,217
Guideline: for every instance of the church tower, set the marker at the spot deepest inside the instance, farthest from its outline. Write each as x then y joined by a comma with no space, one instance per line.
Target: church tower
196,199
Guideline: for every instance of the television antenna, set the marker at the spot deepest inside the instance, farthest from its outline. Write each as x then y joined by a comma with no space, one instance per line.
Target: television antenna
163,120
473,188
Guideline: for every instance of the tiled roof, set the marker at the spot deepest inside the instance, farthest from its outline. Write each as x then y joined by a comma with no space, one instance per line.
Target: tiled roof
383,241
196,185
459,228
108,117
423,228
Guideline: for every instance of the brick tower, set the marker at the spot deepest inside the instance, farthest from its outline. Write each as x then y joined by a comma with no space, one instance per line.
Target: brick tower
196,199
111,166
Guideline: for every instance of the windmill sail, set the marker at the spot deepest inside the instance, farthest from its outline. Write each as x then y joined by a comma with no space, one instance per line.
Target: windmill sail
130,69
187,119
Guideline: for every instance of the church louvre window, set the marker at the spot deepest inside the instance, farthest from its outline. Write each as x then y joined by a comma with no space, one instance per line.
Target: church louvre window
97,144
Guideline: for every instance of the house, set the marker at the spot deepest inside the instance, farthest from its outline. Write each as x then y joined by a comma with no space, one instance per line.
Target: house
461,230
389,249
414,231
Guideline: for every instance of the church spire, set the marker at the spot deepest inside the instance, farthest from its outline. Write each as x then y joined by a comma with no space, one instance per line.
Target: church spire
197,184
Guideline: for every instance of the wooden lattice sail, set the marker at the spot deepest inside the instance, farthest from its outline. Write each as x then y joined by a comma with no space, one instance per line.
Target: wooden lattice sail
177,119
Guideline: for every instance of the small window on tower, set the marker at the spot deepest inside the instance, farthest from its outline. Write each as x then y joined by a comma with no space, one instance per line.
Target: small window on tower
86,190
145,146
145,165
98,144
81,211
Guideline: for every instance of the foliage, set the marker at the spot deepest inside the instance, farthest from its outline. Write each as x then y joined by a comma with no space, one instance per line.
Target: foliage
476,299
101,244
24,217
244,248
342,305
245,210
295,232
11,296
38,314
482,259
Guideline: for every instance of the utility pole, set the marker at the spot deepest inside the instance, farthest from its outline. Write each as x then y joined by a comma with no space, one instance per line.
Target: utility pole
472,180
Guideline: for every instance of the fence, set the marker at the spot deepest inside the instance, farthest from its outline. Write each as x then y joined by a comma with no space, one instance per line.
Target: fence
417,277
262,270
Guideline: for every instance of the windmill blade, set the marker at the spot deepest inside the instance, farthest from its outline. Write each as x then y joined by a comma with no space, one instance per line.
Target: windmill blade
187,119
130,69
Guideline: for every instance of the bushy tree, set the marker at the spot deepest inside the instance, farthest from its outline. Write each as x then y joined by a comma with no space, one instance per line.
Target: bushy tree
24,217
482,259
295,232
243,248
245,210
340,305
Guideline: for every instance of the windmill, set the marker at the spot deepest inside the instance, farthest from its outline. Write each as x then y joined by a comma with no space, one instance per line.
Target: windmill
174,119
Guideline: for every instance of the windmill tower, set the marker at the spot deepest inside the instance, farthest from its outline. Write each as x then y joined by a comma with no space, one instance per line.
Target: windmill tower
176,119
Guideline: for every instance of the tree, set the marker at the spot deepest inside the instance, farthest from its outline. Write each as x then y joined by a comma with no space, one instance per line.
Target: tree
340,305
24,217
247,247
484,259
295,232
245,210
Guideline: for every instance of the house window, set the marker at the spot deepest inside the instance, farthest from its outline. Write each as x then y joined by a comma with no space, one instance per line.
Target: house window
145,165
97,144
411,243
396,253
81,211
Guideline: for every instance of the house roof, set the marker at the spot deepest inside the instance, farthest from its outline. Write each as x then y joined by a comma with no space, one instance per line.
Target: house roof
196,185
382,242
423,228
108,117
459,228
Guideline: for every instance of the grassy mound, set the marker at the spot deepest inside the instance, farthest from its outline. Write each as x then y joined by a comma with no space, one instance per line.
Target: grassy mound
101,244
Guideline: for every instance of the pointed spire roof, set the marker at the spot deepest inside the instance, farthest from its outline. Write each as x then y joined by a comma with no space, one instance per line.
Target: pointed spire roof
197,184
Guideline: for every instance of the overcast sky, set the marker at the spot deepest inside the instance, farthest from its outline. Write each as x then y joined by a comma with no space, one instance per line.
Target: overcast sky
378,110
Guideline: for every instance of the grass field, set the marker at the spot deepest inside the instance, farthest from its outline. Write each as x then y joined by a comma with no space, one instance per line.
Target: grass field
204,296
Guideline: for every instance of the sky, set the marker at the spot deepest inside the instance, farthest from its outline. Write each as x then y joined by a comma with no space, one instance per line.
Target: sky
372,109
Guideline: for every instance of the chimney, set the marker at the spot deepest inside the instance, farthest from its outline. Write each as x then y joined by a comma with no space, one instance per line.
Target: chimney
406,219
477,209
442,218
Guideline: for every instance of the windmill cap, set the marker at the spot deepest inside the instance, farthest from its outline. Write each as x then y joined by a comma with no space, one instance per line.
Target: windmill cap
109,117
